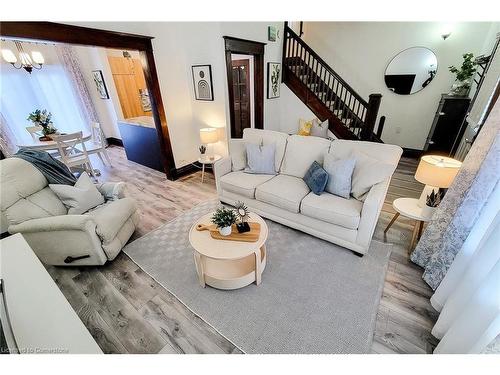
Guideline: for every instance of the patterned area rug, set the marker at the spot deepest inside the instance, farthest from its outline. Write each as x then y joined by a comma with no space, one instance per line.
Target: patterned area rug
315,297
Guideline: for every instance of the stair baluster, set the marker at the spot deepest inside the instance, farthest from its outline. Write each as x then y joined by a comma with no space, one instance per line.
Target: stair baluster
326,93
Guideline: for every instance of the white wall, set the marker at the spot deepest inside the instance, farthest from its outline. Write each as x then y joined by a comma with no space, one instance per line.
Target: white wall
292,110
360,52
177,46
108,110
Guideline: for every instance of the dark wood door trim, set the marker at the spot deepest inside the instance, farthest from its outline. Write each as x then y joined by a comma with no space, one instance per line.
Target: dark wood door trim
256,49
61,33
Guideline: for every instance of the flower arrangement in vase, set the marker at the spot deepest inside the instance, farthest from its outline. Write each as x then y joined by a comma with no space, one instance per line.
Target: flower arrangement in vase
463,75
43,118
224,218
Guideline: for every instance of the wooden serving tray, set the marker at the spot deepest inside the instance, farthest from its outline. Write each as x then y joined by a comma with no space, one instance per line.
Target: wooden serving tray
251,236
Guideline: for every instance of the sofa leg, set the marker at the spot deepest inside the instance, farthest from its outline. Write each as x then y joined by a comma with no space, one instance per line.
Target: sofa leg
357,254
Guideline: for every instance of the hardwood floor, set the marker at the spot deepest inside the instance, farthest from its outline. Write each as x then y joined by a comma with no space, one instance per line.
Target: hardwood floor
126,311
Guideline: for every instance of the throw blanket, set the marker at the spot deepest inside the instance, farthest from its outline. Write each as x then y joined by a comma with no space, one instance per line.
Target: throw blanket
54,171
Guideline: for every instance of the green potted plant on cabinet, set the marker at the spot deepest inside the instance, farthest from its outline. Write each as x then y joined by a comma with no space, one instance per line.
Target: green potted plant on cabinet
463,75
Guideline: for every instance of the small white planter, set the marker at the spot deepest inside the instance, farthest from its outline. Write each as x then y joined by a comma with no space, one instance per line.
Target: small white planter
428,211
226,231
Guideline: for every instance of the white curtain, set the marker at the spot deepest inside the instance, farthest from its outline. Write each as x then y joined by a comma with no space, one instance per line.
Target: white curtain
49,88
469,295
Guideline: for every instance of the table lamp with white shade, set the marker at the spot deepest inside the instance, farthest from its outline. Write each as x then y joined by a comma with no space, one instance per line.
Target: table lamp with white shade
208,136
435,172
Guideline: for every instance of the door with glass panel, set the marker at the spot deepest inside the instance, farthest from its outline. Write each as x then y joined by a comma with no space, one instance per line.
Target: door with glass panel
241,90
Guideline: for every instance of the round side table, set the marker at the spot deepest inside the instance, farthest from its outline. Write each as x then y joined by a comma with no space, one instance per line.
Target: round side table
207,160
408,207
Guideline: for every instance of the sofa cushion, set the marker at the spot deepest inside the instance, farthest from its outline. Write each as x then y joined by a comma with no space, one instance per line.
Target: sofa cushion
316,178
283,191
243,183
111,217
267,137
340,175
260,159
301,152
79,198
368,172
332,209
386,153
305,127
238,154
24,193
319,128
374,160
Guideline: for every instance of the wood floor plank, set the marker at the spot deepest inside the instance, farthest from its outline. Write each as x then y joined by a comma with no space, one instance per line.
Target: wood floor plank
98,328
136,335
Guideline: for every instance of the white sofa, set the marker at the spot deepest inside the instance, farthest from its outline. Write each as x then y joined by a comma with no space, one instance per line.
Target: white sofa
30,207
285,197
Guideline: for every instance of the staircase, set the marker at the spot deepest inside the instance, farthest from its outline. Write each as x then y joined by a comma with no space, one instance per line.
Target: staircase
326,94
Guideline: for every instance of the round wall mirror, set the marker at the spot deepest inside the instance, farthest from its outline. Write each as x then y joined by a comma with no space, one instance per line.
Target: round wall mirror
411,70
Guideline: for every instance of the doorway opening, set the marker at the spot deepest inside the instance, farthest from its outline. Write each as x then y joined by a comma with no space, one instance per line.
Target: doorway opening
245,77
83,36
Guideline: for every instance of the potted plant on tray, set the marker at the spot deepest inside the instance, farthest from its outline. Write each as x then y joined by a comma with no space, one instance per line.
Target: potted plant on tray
224,218
43,118
432,201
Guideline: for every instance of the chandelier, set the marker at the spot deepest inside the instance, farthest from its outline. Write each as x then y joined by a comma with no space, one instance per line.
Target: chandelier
27,62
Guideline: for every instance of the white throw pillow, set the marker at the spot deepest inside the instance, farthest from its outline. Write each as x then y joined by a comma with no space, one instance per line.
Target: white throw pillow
339,175
319,129
368,172
79,198
238,153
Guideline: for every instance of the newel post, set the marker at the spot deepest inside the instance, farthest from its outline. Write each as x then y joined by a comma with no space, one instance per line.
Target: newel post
371,116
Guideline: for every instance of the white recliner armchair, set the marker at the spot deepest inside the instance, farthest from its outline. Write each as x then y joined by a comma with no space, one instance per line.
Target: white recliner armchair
30,207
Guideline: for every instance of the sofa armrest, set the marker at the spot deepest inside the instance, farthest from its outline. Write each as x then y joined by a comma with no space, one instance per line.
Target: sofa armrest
112,191
54,223
65,240
221,168
370,212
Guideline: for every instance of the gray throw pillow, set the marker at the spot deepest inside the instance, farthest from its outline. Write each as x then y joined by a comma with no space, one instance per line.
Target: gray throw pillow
316,178
320,129
260,158
79,198
340,175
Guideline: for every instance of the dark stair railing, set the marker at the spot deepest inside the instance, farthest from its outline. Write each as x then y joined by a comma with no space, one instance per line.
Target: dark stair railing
326,93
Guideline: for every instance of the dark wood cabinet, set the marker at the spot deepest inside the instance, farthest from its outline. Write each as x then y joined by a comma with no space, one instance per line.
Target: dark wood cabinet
447,124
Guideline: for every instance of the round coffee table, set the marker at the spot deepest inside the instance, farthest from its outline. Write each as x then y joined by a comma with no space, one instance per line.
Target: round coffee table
225,264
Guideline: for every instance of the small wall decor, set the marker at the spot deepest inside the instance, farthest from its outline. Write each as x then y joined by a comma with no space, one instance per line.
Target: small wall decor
99,84
273,80
202,80
145,101
271,33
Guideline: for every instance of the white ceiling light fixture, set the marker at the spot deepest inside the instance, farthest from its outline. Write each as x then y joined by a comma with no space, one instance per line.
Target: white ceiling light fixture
27,62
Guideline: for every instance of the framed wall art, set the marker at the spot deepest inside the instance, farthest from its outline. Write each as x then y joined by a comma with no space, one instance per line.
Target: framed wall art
202,80
99,84
273,80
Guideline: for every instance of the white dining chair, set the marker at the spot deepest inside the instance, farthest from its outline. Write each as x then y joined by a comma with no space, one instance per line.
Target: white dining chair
97,144
73,151
35,131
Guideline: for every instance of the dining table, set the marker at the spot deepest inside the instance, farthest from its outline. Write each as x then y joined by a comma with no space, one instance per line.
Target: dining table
37,144
51,145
